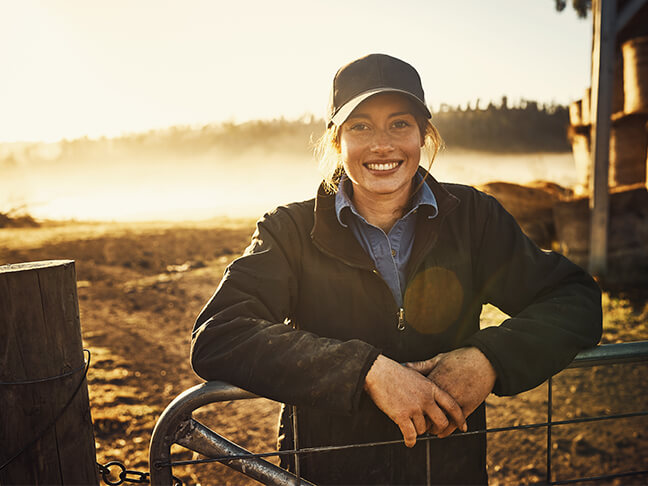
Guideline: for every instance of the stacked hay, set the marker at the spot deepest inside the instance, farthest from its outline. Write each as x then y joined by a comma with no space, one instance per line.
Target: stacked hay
629,132
579,137
629,137
635,75
627,234
628,148
627,245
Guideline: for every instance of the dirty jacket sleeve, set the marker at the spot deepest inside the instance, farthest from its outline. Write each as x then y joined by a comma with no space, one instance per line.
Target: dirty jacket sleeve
244,336
555,306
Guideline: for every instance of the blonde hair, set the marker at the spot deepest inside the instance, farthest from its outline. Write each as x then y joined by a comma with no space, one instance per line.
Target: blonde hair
327,151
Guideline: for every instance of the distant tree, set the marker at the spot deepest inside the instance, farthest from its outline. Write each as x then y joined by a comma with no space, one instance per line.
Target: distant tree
581,6
526,126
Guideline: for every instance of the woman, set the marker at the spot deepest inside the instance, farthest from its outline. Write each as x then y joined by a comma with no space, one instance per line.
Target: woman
388,266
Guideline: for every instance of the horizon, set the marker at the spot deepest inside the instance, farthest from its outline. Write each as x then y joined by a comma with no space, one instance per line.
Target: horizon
306,118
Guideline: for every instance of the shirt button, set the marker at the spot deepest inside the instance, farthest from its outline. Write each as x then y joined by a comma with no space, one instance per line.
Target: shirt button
393,252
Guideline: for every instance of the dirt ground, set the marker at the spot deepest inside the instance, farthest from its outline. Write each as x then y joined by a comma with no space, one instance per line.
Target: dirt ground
141,286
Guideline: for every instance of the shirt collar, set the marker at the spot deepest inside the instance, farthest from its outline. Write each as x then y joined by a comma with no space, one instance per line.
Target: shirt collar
424,196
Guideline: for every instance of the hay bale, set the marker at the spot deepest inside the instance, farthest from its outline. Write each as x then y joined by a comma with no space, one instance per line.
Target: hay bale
575,113
627,234
635,75
628,147
531,206
579,137
618,96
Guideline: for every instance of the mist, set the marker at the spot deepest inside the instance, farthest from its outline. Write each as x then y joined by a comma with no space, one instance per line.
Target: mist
109,186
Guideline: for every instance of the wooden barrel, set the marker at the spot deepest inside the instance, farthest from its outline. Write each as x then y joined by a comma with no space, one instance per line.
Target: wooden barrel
628,147
627,234
635,75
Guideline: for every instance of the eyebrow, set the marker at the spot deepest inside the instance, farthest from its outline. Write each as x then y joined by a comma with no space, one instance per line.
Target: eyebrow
364,115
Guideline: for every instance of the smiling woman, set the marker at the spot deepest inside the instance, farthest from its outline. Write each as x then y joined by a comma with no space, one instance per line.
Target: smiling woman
361,306
380,145
405,115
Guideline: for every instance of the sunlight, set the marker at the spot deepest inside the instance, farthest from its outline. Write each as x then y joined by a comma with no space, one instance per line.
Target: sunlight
205,187
73,73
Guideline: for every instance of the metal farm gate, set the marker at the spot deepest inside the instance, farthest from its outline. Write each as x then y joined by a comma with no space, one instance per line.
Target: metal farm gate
177,426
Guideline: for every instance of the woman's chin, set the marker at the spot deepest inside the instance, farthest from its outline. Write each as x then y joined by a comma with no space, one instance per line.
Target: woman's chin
385,188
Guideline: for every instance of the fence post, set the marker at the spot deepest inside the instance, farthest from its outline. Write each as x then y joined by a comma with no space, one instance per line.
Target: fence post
41,367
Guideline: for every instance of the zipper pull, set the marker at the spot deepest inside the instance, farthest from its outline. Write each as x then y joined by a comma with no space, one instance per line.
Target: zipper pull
401,319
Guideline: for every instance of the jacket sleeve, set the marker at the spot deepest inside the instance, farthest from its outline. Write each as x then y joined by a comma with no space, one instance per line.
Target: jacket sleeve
553,304
244,335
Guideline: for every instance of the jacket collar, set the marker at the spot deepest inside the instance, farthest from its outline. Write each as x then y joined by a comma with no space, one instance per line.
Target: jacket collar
343,201
330,237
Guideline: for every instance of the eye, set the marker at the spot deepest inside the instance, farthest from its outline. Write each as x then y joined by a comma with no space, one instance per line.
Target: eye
359,127
401,124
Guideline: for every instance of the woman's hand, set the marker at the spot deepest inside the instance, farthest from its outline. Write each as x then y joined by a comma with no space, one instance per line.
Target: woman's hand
465,373
412,401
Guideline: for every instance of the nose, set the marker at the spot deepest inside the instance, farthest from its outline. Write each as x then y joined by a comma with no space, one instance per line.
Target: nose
381,141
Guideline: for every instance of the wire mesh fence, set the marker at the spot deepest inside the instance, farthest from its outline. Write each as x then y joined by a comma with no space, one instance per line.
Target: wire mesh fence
587,424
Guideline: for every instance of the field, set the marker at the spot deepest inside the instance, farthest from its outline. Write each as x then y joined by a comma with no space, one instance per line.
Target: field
141,286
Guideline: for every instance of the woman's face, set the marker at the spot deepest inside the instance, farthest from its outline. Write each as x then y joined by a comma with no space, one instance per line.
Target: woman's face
380,145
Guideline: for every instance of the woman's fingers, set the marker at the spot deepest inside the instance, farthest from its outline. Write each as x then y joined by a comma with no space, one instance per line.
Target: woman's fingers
408,430
448,431
410,399
420,423
437,417
424,367
452,409
467,375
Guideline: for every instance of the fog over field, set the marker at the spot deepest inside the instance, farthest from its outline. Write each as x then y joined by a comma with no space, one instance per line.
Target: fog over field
126,187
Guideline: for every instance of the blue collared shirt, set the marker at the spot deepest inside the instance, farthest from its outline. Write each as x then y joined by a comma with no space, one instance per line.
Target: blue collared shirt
390,252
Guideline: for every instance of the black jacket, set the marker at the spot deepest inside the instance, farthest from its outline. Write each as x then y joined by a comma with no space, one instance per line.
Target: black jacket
302,315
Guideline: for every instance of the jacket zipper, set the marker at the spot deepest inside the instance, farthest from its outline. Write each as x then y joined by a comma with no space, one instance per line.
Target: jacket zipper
400,314
401,319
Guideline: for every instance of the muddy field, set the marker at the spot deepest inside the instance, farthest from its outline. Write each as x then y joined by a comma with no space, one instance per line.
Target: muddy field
142,285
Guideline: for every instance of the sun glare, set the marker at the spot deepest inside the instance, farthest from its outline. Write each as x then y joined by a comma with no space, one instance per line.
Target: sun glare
104,69
78,69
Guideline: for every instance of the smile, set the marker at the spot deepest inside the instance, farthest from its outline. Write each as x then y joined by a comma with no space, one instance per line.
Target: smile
382,165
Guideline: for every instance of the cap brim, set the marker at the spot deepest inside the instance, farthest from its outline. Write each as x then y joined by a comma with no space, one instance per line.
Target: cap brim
343,113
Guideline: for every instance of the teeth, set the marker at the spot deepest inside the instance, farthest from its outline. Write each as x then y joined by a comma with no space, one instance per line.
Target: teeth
382,166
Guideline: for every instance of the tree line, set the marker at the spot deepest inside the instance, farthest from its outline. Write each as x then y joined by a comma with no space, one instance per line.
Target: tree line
525,127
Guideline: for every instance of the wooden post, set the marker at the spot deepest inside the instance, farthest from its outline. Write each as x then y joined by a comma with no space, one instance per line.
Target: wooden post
40,340
604,13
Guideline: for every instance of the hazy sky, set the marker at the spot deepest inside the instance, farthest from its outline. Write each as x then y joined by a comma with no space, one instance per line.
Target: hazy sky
82,67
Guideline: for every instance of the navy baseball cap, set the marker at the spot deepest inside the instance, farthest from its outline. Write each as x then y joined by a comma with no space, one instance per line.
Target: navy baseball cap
368,76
